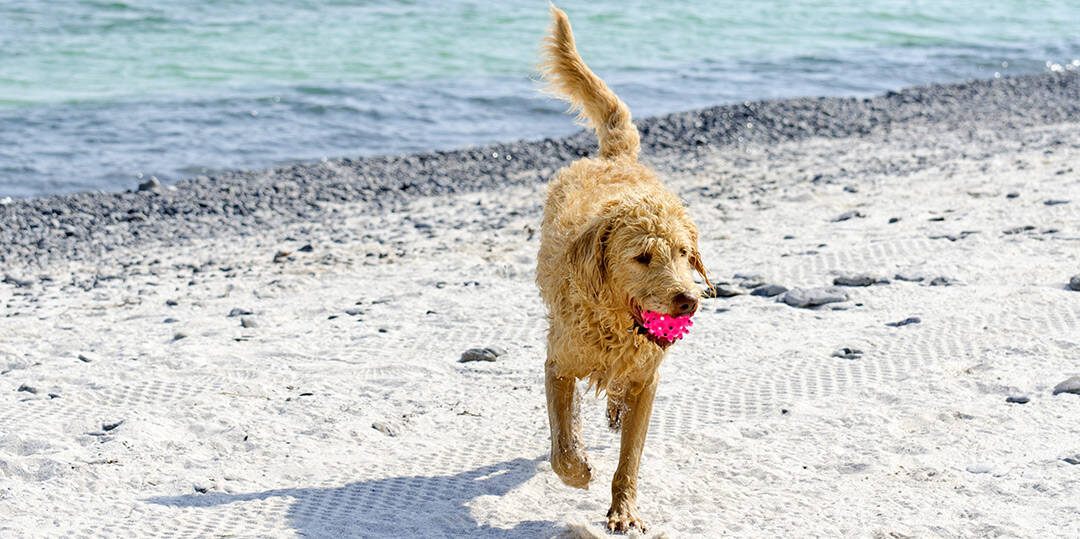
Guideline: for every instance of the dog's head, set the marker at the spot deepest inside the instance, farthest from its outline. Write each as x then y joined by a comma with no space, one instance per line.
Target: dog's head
640,255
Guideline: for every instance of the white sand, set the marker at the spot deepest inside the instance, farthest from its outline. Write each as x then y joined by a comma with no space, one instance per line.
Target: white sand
274,422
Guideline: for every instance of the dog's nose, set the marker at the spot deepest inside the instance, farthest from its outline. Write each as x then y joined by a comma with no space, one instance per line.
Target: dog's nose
685,304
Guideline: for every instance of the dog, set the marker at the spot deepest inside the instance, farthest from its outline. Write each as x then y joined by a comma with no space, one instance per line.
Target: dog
615,244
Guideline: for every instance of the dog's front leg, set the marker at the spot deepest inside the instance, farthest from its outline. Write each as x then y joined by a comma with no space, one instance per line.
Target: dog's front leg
568,457
639,402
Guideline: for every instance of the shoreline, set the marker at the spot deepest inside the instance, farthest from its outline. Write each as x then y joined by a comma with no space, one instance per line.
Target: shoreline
84,225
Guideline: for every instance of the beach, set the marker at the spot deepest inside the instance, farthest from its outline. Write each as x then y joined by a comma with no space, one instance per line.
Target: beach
276,352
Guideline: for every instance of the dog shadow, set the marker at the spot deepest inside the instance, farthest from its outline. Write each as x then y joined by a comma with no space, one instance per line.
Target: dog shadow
412,506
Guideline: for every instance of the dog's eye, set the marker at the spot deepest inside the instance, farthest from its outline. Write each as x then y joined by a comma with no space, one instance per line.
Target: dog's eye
643,259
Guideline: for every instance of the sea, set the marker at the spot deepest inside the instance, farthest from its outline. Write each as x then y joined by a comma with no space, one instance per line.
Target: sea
100,95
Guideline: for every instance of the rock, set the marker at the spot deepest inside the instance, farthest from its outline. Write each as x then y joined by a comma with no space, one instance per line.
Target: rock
239,312
812,297
354,311
179,335
282,256
27,389
110,426
306,249
942,281
1074,283
169,321
1074,460
482,354
1069,385
1018,230
910,277
719,290
848,353
171,302
905,322
17,282
1012,195
848,215
850,189
385,428
980,468
1054,202
1018,399
87,357
852,279
201,488
150,185
749,280
768,291
894,220
248,322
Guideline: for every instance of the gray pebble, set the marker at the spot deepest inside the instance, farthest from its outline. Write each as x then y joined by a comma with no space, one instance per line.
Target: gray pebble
27,389
1054,202
905,322
812,297
719,290
980,468
150,185
17,282
200,488
1012,195
179,335
1069,385
848,353
112,425
910,277
1074,460
942,281
354,311
894,220
1018,399
848,215
482,354
171,302
385,428
169,321
248,322
239,312
1074,283
87,357
852,279
306,249
769,290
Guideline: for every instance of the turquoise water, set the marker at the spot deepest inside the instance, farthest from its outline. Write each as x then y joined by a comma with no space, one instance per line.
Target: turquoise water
94,94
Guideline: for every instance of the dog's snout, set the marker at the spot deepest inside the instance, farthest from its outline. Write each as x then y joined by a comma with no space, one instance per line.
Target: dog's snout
685,304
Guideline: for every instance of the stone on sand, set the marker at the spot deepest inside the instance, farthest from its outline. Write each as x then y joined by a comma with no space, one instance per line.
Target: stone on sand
812,297
1069,385
490,353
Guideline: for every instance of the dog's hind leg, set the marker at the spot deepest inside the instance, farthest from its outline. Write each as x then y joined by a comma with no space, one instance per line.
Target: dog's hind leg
616,409
568,458
638,401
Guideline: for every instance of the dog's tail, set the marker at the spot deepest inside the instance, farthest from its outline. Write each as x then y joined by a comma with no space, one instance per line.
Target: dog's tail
568,78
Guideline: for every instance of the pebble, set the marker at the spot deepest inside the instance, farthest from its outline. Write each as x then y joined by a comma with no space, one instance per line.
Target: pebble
853,279
490,353
110,426
1069,385
848,353
150,185
87,357
719,290
768,291
905,322
169,321
894,220
282,256
1054,202
171,302
306,249
942,281
1012,195
239,312
980,468
248,322
385,428
179,335
1074,283
812,297
1074,460
910,277
17,282
1018,399
848,215
27,389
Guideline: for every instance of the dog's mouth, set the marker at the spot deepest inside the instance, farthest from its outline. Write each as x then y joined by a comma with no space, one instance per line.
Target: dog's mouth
662,329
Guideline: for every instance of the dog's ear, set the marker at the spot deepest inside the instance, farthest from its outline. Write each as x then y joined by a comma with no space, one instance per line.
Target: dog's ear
588,255
695,262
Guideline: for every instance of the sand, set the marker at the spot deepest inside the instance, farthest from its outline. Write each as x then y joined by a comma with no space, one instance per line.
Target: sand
135,405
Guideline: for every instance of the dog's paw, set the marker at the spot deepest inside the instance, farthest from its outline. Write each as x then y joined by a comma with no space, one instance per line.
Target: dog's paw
623,516
574,469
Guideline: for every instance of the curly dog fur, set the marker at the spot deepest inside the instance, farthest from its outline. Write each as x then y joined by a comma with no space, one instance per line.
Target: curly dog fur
614,243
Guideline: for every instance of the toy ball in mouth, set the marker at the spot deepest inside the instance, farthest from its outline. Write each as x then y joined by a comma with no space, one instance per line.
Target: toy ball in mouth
665,326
